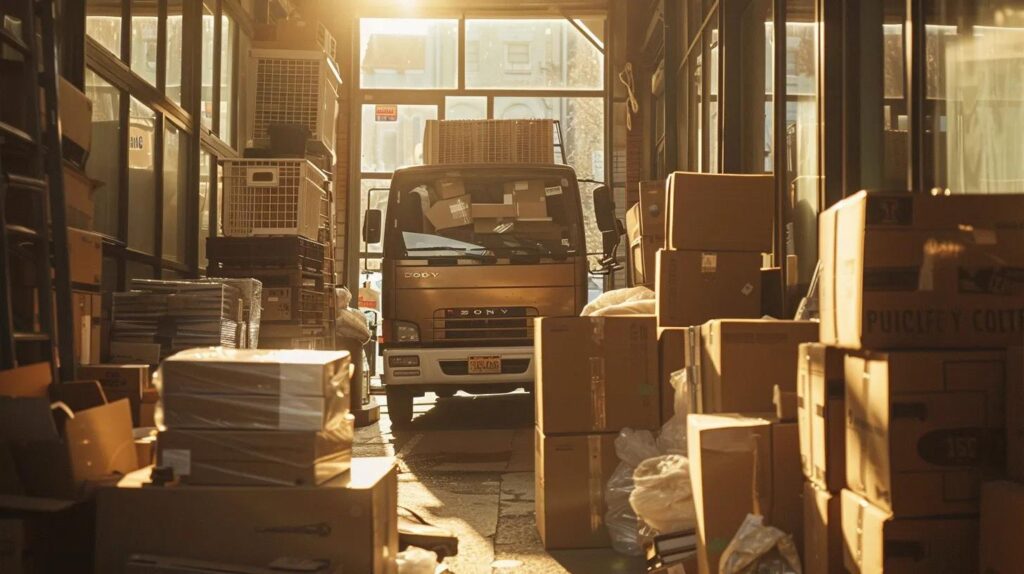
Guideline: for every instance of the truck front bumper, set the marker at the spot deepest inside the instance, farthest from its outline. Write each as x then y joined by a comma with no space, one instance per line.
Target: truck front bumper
450,366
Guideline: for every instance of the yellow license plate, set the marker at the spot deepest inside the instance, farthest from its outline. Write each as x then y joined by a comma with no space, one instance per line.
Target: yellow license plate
488,365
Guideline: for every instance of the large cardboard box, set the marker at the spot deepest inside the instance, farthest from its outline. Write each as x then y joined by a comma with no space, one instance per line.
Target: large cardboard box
85,256
821,400
720,212
823,531
75,115
78,195
257,372
350,521
644,252
252,412
449,213
924,428
571,473
492,211
696,286
742,465
742,361
909,270
596,374
120,382
100,441
874,542
1002,518
1015,414
259,458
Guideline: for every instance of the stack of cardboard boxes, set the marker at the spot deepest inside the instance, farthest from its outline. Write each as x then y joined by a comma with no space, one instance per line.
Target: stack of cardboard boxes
917,292
596,376
254,451
645,232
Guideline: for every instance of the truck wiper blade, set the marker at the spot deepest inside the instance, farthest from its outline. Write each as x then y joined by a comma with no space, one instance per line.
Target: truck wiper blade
456,249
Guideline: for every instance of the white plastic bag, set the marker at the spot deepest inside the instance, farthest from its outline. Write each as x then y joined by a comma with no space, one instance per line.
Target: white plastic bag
663,496
632,448
352,325
616,297
757,548
641,307
414,560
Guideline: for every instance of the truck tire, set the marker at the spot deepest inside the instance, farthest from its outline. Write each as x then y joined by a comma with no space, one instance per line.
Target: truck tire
399,407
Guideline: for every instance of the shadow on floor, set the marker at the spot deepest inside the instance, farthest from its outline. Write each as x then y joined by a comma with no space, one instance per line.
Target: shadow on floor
513,410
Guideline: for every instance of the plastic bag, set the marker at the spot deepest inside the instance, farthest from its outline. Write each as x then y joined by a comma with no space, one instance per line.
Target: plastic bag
672,439
352,325
632,448
759,548
343,297
616,297
642,307
415,560
663,496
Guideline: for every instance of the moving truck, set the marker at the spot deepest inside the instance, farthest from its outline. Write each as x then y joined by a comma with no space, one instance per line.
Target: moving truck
472,254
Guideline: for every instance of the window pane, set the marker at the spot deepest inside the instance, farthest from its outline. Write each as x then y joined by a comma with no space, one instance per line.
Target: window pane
172,81
710,38
373,195
144,39
141,178
175,210
532,54
209,52
104,163
802,178
227,70
756,77
465,108
391,141
136,270
103,23
408,53
205,162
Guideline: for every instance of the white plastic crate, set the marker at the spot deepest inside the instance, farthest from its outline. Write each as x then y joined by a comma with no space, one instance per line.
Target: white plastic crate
293,87
272,197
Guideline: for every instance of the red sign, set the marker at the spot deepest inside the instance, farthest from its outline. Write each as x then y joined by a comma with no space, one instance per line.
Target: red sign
386,113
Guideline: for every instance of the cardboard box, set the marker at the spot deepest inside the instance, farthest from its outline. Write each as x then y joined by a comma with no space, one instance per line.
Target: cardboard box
79,197
530,198
924,429
652,208
604,368
258,458
100,442
696,286
742,465
643,256
1002,517
141,353
492,210
257,372
823,531
742,361
544,229
350,521
449,213
147,409
633,233
85,256
909,270
120,382
719,212
785,404
821,400
145,450
75,115
1015,414
32,380
450,188
571,473
875,542
87,318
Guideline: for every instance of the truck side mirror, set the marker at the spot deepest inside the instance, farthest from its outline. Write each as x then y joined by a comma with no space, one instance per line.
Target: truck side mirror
372,226
611,228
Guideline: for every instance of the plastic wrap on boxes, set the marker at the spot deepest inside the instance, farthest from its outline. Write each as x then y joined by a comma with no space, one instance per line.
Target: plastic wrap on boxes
632,448
219,388
352,325
758,548
258,458
617,297
663,497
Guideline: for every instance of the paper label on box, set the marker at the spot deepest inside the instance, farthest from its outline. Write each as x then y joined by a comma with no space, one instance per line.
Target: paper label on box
556,190
708,262
508,199
747,289
459,209
522,186
179,459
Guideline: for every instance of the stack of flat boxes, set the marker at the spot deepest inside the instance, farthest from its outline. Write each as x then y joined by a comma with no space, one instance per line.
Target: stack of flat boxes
645,231
916,292
595,377
259,442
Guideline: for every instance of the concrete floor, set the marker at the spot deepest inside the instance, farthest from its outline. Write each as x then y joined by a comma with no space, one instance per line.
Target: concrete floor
466,464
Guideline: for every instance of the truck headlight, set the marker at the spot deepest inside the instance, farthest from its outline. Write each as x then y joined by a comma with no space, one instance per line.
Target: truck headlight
406,332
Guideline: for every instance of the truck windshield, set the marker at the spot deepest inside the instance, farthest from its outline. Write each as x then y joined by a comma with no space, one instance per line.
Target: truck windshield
488,217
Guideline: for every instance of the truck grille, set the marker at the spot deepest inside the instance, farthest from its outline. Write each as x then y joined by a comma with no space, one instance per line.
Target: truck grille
493,325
